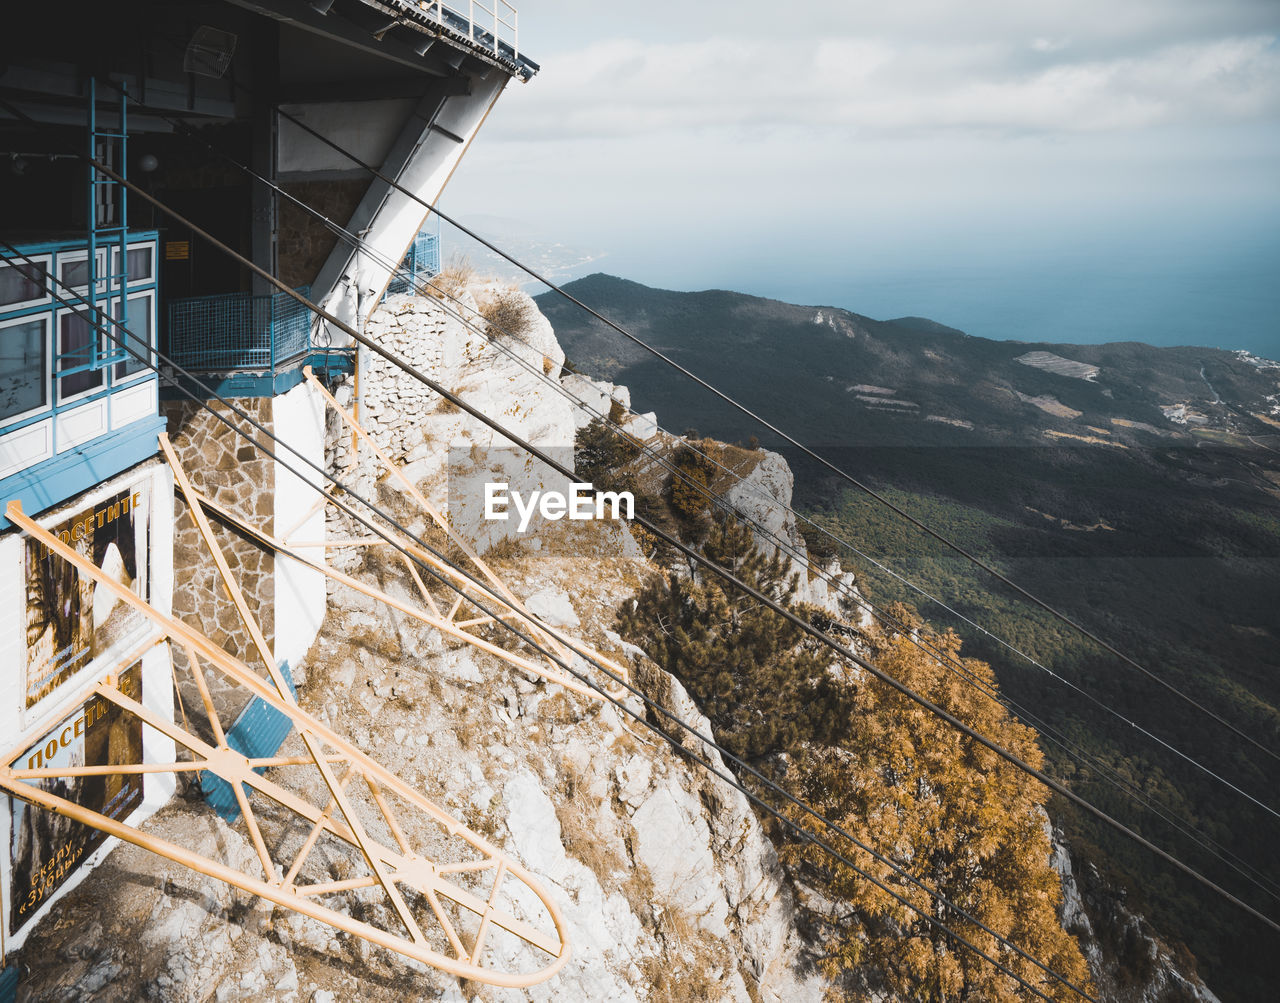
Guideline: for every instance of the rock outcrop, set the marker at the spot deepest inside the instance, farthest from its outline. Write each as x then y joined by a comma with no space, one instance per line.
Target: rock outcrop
670,887
1129,961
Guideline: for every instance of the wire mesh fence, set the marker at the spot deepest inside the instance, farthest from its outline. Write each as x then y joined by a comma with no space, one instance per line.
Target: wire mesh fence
238,331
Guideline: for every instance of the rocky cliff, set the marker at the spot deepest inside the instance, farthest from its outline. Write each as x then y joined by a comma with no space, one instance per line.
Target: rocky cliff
671,889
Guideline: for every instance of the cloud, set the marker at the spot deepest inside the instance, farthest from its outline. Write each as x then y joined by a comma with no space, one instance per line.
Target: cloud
883,86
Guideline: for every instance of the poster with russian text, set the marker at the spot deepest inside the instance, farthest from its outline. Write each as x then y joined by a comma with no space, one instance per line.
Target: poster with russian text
45,849
70,619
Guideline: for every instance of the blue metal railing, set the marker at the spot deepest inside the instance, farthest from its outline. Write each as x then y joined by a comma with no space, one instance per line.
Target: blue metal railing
239,331
422,262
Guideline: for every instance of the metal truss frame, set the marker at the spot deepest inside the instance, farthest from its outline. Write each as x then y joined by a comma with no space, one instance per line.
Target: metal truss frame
431,888
441,913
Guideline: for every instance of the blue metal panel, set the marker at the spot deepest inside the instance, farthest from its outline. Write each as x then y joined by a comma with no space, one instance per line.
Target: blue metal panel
68,474
420,263
262,384
258,732
9,984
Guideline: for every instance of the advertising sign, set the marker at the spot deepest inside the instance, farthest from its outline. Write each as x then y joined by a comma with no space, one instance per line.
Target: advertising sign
69,620
45,849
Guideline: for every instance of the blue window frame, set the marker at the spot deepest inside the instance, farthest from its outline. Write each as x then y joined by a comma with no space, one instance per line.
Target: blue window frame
139,334
20,289
24,367
79,345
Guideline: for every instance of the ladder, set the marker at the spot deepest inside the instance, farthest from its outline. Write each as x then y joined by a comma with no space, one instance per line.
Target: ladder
108,230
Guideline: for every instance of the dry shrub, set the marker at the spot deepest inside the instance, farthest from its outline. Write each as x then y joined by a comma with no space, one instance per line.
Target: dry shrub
470,731
452,280
507,311
579,814
679,981
559,709
694,965
637,889
678,928
483,822
506,549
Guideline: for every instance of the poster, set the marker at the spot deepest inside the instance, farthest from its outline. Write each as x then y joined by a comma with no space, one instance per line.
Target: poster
45,849
70,621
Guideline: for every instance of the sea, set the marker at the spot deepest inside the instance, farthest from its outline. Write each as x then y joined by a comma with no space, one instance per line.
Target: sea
1202,285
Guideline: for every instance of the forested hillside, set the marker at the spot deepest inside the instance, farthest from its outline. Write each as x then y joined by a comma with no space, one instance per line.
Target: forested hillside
1133,488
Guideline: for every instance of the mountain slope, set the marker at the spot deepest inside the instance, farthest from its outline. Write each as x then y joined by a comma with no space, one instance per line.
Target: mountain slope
1134,488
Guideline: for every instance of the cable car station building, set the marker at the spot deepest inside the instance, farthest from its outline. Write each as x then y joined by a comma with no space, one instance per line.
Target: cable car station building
220,110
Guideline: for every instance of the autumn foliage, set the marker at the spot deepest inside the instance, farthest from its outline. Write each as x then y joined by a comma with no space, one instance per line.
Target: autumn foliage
942,808
948,812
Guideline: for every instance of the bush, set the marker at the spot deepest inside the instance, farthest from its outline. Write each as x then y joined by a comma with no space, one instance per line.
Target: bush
452,280
600,453
507,312
690,493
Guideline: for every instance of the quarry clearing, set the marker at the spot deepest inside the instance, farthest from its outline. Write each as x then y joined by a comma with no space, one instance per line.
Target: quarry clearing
1050,405
1056,364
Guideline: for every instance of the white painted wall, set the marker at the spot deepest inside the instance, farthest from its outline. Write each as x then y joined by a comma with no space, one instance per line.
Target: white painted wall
300,596
20,728
366,128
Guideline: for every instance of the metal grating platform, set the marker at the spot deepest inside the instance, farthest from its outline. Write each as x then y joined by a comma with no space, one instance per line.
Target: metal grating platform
258,732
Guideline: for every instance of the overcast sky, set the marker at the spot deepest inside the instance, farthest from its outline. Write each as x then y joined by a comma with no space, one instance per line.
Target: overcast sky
715,143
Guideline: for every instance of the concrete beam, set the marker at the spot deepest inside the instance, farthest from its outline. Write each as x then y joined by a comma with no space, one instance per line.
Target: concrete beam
422,160
341,29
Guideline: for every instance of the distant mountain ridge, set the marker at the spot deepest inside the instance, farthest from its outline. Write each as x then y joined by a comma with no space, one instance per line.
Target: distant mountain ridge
970,389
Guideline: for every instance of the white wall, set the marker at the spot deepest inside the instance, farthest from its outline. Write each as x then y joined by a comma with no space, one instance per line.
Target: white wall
300,596
19,728
365,128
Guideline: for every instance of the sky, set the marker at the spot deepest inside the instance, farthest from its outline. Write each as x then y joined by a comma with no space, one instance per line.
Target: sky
1062,170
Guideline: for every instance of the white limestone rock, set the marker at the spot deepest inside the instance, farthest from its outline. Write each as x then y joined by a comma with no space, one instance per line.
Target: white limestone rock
553,607
597,397
674,844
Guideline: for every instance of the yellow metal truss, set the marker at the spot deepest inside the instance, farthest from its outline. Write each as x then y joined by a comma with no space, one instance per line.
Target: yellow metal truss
445,892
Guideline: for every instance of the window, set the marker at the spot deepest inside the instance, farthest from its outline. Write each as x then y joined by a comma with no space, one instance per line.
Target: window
139,337
24,284
24,367
141,262
77,354
73,270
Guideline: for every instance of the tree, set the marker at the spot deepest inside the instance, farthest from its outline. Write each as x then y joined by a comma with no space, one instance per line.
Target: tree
600,453
763,690
952,814
603,457
689,492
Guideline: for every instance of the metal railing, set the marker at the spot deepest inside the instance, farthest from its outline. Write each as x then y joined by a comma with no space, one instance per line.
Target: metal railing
421,263
488,31
239,331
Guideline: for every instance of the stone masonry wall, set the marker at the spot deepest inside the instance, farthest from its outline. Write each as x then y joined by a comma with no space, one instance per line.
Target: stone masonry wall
303,241
224,467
